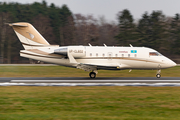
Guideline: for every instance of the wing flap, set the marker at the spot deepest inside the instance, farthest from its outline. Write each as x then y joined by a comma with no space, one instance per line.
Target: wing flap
86,67
111,66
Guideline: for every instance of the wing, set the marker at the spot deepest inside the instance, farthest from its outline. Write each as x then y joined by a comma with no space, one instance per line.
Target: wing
94,66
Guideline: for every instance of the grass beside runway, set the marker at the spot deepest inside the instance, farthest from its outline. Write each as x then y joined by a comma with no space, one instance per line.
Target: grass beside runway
60,71
89,103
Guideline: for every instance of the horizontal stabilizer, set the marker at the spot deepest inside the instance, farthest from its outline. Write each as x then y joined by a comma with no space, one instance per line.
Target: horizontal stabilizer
16,24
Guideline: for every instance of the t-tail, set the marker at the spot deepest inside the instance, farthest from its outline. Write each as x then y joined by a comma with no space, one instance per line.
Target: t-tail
29,36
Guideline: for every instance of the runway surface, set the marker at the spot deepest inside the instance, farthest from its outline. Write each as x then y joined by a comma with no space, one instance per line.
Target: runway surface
81,81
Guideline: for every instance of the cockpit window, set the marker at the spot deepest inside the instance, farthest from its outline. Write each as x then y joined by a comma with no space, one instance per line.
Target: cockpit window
154,54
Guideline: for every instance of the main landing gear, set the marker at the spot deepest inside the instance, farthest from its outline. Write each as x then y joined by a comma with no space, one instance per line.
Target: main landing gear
93,74
158,75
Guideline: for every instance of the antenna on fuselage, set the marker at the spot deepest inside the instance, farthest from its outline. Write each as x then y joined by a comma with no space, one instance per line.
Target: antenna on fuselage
89,44
130,45
105,45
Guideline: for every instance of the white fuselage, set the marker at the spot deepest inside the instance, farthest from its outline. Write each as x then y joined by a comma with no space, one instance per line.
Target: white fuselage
102,57
88,58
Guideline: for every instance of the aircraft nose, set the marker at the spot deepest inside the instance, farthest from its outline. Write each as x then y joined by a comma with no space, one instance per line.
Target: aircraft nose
168,63
171,63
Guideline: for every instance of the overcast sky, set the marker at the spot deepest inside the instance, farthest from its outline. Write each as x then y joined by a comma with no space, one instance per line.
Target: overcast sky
109,8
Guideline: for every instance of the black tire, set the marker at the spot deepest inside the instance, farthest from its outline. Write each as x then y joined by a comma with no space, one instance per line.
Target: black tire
92,75
158,75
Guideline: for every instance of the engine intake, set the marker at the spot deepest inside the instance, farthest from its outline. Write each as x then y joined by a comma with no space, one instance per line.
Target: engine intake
75,51
61,51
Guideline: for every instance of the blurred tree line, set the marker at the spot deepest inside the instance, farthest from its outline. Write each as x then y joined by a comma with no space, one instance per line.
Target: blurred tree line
60,26
153,30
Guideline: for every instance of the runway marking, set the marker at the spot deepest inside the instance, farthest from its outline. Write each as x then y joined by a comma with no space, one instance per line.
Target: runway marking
90,84
95,81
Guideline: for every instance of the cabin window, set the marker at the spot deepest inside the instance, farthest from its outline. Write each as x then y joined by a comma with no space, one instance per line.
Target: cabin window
96,54
103,55
128,55
90,54
135,55
116,55
109,55
122,55
154,54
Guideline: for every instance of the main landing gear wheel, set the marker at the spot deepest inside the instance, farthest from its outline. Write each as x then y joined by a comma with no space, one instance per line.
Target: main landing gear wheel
158,75
92,74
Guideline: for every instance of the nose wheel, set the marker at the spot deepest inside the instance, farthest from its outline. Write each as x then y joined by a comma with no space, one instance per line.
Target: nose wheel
92,75
158,75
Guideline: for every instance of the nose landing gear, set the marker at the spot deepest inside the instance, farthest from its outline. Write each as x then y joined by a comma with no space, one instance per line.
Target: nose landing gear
158,75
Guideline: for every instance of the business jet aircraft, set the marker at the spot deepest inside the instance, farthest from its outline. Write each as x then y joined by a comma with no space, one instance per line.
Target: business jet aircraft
88,58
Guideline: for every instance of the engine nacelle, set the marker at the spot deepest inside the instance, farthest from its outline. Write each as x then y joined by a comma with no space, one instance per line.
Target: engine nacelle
61,51
75,51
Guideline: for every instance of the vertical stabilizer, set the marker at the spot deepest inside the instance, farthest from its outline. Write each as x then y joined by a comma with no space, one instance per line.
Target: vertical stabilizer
29,36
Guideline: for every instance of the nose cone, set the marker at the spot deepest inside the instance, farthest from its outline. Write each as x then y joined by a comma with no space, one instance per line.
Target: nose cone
167,63
171,63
